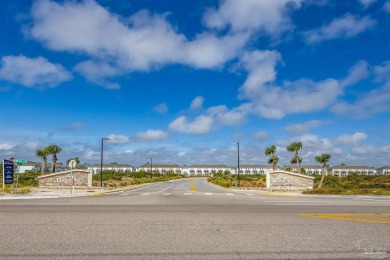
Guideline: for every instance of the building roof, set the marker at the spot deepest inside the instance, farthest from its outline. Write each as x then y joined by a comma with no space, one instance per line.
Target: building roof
209,166
31,164
341,167
255,166
147,165
111,166
384,168
305,166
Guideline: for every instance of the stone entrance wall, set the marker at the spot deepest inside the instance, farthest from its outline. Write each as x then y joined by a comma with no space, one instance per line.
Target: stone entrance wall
82,178
283,180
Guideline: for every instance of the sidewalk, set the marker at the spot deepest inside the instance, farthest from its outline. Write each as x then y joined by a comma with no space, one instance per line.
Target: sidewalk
47,193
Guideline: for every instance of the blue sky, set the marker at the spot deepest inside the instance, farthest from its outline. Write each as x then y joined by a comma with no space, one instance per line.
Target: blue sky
180,81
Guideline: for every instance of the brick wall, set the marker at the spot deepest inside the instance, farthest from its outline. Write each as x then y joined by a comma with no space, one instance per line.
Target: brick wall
82,178
282,180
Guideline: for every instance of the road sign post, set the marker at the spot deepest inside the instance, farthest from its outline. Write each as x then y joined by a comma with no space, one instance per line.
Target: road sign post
19,162
8,172
72,164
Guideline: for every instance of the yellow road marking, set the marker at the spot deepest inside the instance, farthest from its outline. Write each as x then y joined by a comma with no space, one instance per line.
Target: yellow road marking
352,217
193,189
97,194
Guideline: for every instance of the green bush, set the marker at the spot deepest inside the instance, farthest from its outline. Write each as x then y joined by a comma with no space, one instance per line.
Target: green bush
353,184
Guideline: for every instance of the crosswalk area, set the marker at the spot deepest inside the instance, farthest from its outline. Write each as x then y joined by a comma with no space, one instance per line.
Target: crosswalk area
184,194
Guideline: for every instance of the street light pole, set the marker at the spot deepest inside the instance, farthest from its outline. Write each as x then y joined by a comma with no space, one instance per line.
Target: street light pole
101,162
151,167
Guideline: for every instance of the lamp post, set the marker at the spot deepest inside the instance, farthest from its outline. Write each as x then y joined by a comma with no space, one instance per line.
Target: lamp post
238,163
101,162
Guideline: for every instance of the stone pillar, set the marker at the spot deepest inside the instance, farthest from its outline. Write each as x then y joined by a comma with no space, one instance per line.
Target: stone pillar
267,180
90,178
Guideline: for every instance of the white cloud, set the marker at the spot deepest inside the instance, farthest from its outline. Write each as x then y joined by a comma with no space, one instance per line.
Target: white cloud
377,100
382,73
197,102
262,135
357,73
386,6
97,72
235,116
6,146
141,42
161,108
272,101
201,125
118,139
32,72
366,3
345,27
152,135
304,127
251,15
352,140
367,103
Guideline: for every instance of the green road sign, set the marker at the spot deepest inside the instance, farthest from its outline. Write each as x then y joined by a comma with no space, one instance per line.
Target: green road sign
19,161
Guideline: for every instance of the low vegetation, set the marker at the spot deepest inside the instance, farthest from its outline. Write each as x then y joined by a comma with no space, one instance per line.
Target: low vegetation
230,180
353,184
114,179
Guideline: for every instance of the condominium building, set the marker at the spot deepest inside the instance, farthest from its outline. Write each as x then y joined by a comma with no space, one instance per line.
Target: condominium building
310,169
343,171
385,170
254,169
205,169
112,166
160,168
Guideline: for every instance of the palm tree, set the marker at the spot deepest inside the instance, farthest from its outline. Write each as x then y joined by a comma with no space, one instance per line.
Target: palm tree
43,155
295,147
270,151
323,159
54,150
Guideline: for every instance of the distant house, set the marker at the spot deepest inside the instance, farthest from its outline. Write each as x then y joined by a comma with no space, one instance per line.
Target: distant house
310,169
254,169
343,171
205,169
160,168
385,170
30,166
113,167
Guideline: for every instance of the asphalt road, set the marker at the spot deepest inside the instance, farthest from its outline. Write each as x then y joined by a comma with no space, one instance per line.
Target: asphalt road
191,219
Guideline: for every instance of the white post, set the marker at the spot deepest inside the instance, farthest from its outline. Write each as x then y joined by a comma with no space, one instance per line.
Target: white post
267,180
71,179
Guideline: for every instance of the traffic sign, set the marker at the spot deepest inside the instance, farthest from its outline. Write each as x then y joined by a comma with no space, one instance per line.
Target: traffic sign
20,161
8,172
72,164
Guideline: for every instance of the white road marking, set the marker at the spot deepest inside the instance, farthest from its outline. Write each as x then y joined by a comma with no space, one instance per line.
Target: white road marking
145,194
166,194
208,193
166,188
229,194
187,193
250,194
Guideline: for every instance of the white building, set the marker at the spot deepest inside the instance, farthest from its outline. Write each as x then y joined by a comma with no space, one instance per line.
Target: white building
343,171
310,169
113,167
29,166
385,170
254,169
160,168
205,169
